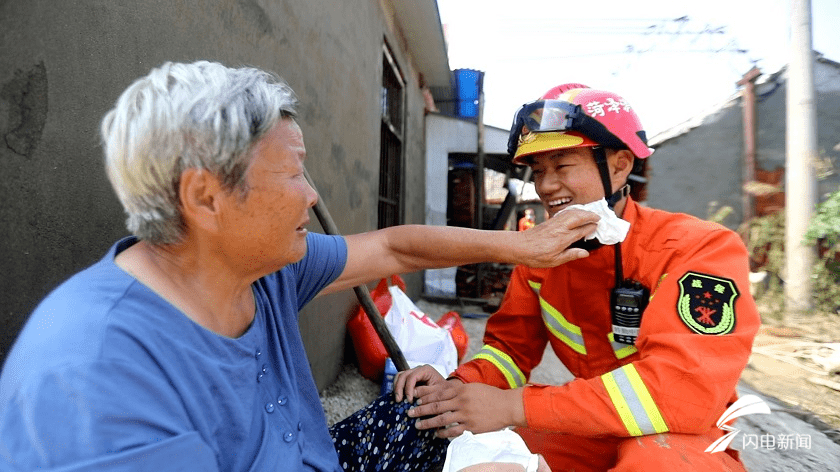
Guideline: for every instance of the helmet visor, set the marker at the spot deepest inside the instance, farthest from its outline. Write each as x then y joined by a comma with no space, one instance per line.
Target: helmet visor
549,115
544,116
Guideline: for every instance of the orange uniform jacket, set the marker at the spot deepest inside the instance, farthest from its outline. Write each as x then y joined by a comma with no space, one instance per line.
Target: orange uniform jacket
695,336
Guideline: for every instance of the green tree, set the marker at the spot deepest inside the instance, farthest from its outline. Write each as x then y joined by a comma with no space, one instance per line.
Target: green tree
824,233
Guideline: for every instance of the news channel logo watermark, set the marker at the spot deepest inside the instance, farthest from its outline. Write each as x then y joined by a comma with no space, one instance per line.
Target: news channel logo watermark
749,405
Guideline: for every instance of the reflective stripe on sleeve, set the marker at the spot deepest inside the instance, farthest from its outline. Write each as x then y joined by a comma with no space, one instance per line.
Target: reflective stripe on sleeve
558,325
633,402
504,363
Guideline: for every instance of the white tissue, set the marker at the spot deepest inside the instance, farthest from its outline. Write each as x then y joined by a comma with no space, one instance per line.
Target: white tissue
498,446
611,229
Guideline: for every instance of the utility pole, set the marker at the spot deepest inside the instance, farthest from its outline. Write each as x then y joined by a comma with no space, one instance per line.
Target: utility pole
801,153
479,160
479,179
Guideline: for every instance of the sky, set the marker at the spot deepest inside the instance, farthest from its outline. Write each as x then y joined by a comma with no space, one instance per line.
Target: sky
671,60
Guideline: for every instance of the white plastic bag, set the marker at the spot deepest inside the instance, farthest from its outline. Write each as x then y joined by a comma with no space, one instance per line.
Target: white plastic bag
419,338
497,446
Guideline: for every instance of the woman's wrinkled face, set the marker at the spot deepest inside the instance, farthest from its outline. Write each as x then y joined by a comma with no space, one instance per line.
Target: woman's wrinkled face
266,229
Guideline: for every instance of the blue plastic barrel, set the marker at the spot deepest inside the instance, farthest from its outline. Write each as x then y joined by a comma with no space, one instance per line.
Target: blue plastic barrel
468,83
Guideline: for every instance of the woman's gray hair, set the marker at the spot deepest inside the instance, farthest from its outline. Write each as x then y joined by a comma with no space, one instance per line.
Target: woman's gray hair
201,115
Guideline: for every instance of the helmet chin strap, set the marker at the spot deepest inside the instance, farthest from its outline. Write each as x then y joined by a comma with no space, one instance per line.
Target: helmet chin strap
619,195
612,200
604,170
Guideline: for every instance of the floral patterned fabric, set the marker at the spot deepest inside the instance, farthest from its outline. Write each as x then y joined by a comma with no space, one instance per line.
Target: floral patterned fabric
381,437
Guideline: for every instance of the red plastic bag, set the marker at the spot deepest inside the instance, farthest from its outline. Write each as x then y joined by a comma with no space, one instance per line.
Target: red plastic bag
370,351
451,321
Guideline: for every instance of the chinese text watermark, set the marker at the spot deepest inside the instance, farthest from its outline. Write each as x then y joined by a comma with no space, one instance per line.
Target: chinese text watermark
779,441
748,405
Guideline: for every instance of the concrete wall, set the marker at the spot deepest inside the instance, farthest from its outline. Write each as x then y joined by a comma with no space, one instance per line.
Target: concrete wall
771,133
63,64
692,170
699,164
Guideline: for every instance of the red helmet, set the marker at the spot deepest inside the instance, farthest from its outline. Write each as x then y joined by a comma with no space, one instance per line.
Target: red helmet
573,115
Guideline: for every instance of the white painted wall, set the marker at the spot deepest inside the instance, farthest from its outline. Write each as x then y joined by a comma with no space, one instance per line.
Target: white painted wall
445,135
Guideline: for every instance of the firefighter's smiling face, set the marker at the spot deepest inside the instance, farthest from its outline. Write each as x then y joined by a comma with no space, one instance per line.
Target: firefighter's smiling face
564,177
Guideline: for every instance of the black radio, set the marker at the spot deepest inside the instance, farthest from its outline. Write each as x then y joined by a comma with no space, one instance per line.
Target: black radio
628,302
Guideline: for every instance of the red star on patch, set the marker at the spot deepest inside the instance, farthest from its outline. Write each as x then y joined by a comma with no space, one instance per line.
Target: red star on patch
707,295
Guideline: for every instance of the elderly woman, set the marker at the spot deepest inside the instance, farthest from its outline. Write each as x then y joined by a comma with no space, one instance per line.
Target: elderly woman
180,349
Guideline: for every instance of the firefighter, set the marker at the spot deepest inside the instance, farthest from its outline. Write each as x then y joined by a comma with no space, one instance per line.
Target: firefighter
528,220
655,329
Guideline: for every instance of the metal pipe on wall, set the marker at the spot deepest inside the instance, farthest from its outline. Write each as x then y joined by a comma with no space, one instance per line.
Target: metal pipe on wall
750,126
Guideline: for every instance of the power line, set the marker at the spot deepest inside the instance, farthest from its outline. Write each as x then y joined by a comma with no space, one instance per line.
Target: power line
548,57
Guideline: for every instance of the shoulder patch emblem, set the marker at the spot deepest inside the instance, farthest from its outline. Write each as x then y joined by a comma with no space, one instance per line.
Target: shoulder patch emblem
707,303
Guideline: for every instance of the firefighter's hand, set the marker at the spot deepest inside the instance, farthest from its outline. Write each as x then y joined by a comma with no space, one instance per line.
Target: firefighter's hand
457,407
546,245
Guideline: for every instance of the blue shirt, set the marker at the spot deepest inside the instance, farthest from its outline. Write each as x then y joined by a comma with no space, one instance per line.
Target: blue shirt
107,375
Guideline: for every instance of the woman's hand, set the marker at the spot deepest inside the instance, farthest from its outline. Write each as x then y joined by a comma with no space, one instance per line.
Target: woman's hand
547,244
425,378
